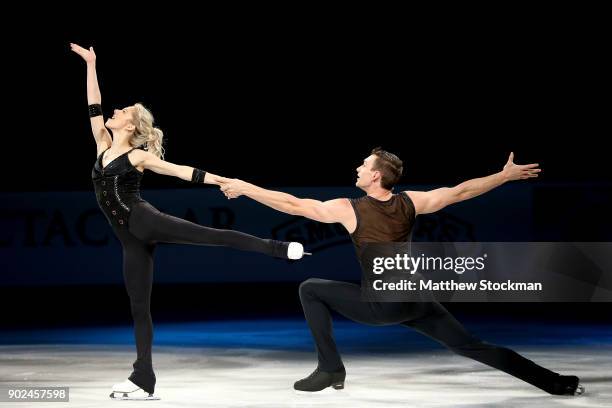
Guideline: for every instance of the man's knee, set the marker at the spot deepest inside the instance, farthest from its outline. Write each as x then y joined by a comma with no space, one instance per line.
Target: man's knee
308,288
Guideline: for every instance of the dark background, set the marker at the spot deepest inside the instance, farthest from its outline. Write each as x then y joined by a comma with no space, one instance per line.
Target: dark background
302,105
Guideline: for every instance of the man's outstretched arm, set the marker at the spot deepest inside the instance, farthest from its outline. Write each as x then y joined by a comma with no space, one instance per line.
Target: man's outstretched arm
431,201
337,210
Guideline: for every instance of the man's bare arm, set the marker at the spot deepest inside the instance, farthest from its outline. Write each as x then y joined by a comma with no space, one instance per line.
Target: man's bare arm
431,201
337,210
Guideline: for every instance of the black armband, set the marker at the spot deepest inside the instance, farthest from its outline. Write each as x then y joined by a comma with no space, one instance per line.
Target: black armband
95,110
197,176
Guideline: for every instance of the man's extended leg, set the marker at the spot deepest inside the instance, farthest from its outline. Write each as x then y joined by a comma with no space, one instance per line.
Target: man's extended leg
441,326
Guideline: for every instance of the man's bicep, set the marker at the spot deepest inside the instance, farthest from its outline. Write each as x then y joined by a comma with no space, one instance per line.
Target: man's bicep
426,202
325,211
337,210
423,201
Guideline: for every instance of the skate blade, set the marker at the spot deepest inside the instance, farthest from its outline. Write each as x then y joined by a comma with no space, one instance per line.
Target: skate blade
331,390
123,396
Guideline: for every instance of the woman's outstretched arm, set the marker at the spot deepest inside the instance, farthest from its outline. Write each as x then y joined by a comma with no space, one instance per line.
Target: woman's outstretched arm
153,163
100,133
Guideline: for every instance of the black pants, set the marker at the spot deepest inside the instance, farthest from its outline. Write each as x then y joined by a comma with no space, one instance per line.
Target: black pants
147,228
319,297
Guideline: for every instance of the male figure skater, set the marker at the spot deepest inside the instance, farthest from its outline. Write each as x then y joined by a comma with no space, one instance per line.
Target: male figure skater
382,216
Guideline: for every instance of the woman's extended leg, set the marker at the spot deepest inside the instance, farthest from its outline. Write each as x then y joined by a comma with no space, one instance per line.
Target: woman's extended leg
152,225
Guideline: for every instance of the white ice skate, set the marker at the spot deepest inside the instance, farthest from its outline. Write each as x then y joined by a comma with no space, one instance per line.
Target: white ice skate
295,250
127,390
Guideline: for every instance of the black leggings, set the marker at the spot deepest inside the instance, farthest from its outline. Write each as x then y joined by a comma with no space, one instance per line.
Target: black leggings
148,227
319,296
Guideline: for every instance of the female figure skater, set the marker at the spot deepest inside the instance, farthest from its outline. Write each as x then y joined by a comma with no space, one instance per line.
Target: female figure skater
135,145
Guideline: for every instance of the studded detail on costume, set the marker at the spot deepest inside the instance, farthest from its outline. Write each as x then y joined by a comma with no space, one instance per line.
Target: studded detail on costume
119,198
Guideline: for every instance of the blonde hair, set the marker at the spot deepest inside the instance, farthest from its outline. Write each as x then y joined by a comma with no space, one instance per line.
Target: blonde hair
145,133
